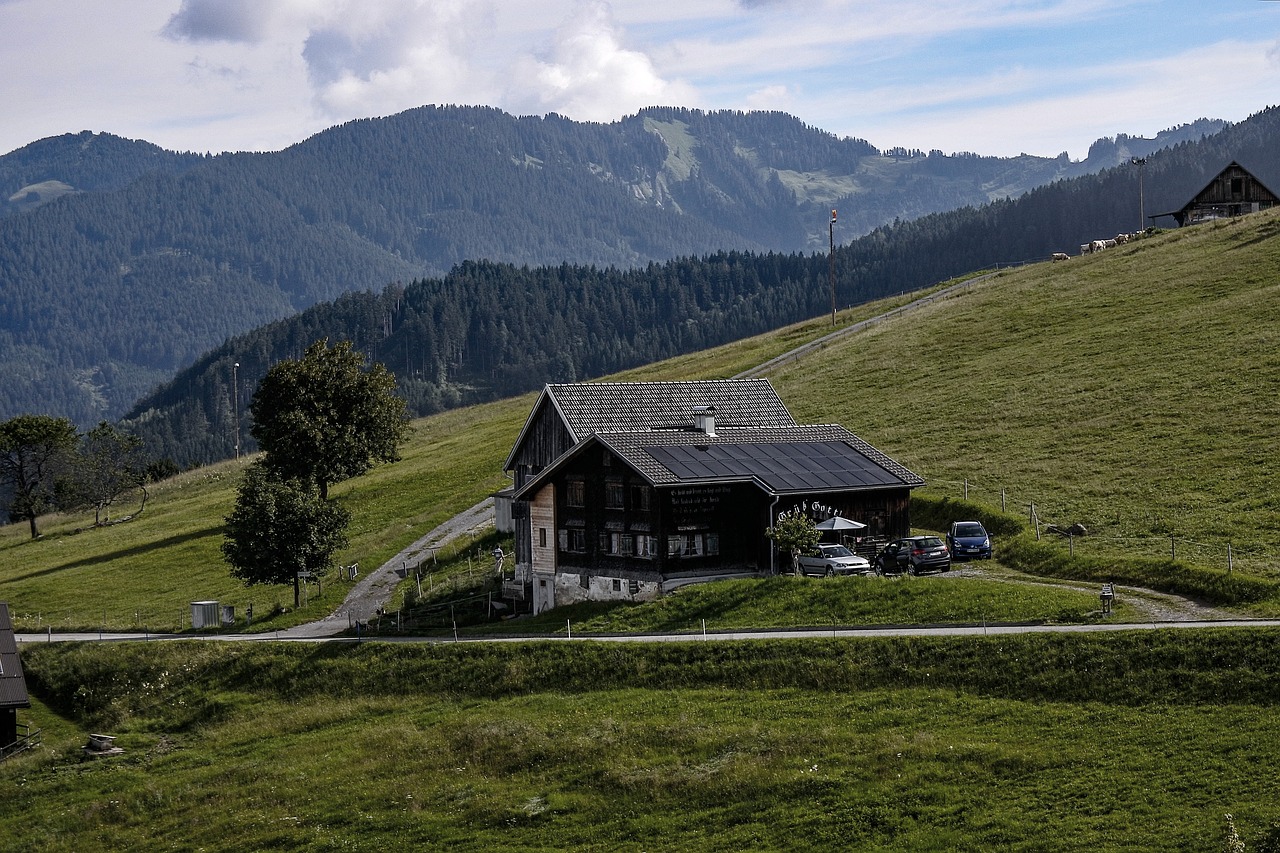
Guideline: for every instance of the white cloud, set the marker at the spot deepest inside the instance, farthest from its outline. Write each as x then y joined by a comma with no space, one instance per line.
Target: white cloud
777,98
588,74
1037,75
403,54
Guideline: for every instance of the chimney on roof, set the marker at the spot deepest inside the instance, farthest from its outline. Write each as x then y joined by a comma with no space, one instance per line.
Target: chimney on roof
704,419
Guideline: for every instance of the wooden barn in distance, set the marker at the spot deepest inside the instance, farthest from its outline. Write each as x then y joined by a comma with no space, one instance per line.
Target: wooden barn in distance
1233,192
624,491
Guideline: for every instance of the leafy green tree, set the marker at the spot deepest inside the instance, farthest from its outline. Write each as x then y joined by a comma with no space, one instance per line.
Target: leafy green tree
280,527
794,533
35,453
325,418
110,464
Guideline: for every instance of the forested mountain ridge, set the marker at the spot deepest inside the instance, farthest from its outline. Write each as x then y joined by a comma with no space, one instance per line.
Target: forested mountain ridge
121,263
82,162
487,330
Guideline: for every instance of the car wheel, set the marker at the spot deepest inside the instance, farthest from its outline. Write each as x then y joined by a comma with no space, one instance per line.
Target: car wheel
831,572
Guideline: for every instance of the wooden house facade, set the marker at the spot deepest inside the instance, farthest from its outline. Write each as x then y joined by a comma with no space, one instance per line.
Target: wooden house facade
629,490
1233,192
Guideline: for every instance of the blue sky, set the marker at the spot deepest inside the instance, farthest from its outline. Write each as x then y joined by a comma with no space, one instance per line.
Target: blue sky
995,77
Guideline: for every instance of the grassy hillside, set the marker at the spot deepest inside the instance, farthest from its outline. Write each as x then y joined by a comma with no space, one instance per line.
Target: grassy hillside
1134,391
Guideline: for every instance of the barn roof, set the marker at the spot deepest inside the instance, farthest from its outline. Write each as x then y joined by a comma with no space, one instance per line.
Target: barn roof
1256,190
780,459
13,685
591,407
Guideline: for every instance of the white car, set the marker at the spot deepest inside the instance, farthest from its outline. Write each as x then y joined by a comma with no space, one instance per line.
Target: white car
833,560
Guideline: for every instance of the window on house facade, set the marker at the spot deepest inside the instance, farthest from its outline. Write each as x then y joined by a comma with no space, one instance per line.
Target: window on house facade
617,584
640,497
575,493
574,540
542,537
693,544
614,495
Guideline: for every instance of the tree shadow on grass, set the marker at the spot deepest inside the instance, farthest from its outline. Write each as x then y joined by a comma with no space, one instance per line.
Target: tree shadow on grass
124,553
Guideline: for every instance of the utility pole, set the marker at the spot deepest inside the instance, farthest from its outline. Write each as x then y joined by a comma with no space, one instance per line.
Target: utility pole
831,265
235,402
1142,201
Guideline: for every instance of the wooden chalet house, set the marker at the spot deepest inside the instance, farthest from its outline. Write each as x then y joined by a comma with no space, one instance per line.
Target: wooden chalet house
624,491
13,689
1233,192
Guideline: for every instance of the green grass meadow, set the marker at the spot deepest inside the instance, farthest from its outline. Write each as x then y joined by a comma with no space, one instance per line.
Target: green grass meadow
1129,741
1135,392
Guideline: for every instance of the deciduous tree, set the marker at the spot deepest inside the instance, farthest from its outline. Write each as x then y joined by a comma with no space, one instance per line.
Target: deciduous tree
280,527
110,464
35,451
793,532
326,417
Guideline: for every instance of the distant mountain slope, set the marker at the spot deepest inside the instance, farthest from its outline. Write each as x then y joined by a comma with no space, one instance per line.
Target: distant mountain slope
487,330
120,263
77,163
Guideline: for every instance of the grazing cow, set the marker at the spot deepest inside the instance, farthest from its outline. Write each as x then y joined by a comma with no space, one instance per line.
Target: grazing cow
1061,256
1123,238
1110,244
1098,245
1086,248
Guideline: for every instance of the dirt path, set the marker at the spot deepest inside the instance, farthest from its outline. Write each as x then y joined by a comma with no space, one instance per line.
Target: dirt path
374,589
1154,606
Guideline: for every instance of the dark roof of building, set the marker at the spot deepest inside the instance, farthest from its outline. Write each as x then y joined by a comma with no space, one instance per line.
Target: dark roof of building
586,408
13,686
782,460
591,407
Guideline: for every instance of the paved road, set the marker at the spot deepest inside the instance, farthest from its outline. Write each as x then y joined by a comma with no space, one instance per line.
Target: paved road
710,636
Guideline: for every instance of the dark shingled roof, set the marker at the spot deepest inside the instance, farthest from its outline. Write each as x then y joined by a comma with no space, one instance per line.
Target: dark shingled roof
13,687
596,407
795,459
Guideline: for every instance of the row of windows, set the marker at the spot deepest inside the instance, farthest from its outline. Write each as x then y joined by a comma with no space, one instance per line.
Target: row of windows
642,545
615,495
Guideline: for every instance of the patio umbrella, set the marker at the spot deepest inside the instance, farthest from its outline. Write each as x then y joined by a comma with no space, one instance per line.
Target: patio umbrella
839,522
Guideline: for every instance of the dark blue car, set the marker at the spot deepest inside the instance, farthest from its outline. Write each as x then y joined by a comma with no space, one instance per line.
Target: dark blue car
968,540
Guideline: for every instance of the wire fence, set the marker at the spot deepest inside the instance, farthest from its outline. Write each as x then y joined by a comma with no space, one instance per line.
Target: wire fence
1046,519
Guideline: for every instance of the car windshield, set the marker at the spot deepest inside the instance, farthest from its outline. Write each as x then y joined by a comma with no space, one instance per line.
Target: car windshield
928,542
970,529
835,551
